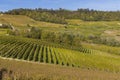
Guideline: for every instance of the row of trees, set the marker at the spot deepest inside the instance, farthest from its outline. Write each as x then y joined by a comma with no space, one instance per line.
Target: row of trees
59,16
56,37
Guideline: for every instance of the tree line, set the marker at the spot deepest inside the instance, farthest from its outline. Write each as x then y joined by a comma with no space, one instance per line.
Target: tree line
60,15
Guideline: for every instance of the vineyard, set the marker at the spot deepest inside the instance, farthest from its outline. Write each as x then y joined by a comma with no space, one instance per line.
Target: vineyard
11,47
35,51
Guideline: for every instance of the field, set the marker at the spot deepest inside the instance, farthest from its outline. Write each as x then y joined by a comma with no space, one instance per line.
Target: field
34,71
51,61
74,26
21,22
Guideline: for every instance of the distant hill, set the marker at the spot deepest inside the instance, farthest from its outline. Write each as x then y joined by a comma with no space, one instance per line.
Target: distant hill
60,15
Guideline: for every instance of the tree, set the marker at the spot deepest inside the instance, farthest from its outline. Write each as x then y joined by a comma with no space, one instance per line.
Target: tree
34,33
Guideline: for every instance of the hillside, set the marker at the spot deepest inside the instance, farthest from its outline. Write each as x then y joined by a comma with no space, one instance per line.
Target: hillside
37,71
75,50
23,21
29,58
60,15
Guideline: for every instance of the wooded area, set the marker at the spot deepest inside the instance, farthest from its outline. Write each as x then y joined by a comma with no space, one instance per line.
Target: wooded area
59,16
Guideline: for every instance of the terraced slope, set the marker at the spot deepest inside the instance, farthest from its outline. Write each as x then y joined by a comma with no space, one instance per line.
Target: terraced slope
34,50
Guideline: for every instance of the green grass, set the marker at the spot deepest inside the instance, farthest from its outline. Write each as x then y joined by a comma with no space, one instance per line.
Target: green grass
3,31
103,48
92,27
